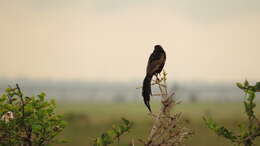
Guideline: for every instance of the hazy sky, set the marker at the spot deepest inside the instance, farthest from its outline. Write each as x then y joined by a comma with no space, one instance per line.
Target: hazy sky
112,39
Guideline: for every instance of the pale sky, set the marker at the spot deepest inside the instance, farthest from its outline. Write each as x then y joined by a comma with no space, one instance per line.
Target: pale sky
111,40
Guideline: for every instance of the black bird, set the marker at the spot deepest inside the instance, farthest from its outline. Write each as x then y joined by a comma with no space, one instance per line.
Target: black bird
154,67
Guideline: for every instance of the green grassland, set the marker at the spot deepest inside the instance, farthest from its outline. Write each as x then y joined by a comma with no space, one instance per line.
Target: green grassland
87,121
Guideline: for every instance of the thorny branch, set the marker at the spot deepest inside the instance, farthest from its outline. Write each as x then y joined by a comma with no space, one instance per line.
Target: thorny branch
167,129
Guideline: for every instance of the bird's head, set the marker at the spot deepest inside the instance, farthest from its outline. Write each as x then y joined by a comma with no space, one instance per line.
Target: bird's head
158,48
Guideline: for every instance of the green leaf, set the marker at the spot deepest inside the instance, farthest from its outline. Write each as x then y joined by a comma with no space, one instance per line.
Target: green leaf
8,90
126,122
257,87
41,96
28,108
3,98
106,138
239,85
36,128
112,133
246,83
99,142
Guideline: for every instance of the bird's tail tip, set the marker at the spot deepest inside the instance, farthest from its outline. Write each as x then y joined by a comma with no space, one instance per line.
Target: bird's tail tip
148,106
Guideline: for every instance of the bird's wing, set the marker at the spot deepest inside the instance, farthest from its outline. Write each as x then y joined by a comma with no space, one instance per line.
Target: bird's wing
163,63
154,63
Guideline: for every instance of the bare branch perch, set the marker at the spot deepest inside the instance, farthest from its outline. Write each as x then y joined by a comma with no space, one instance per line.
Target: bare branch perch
167,129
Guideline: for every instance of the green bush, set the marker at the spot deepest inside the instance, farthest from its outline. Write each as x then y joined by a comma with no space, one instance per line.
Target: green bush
28,120
111,136
248,132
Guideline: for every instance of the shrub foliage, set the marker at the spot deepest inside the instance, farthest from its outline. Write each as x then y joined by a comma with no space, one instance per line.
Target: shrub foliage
248,132
114,134
28,120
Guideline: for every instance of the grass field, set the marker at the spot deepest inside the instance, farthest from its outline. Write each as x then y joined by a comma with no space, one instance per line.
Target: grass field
86,121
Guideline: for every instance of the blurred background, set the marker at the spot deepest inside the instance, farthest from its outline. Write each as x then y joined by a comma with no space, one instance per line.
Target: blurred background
90,55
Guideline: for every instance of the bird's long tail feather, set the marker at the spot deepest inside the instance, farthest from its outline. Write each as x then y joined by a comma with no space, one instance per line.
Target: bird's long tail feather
147,90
